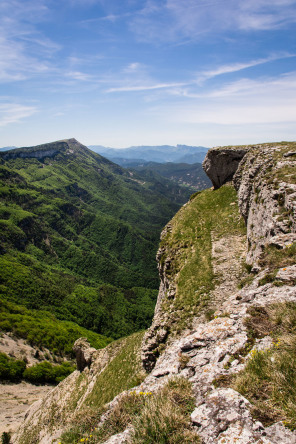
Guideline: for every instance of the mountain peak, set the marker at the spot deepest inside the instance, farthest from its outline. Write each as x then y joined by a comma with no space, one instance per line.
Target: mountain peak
65,146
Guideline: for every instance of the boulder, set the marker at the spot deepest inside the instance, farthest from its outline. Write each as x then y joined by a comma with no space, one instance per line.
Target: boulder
83,352
221,164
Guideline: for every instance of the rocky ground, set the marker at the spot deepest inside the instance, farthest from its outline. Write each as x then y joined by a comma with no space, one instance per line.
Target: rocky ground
15,399
19,349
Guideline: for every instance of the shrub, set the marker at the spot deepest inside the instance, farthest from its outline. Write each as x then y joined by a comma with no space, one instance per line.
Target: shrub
11,369
46,373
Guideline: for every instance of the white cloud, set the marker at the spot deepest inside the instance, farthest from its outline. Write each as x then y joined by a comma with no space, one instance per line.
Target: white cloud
77,75
235,67
143,87
14,112
263,101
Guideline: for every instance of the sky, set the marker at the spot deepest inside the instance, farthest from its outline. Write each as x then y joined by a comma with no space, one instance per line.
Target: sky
120,73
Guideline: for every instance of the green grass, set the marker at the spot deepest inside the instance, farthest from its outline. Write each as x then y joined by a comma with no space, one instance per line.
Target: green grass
162,417
189,247
123,372
268,380
275,258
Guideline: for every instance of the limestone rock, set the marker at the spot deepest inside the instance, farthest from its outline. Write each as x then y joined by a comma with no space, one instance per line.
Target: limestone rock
269,209
226,414
83,352
221,164
120,438
279,434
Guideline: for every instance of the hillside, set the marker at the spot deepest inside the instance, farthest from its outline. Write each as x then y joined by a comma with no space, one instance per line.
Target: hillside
184,174
220,354
79,236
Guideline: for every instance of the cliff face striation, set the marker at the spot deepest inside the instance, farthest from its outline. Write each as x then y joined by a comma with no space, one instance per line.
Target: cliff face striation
265,182
224,319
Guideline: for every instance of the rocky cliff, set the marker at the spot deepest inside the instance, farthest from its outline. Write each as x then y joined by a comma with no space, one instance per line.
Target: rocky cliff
224,319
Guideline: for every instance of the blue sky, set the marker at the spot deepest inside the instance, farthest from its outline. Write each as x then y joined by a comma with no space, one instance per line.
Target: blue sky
147,72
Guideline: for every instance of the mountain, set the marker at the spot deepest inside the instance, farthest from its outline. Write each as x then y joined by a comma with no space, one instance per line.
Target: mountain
219,357
160,154
79,236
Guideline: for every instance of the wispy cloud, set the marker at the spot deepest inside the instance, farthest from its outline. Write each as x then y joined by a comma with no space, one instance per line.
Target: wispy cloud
235,67
81,76
143,87
23,50
247,101
171,20
14,112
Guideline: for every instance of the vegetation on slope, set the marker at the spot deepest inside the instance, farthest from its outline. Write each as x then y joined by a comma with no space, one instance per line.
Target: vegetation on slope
162,417
123,372
268,380
188,246
43,373
184,174
79,236
43,329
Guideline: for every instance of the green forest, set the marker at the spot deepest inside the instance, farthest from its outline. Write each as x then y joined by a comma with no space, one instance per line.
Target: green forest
78,241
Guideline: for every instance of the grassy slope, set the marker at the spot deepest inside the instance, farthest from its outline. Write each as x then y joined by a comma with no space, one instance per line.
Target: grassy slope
123,372
268,380
189,246
162,417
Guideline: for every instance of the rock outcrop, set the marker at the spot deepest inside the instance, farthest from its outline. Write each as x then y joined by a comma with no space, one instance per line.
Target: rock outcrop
83,352
221,164
266,195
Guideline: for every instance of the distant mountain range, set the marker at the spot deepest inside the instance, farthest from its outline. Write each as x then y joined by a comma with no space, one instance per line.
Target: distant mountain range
7,148
160,154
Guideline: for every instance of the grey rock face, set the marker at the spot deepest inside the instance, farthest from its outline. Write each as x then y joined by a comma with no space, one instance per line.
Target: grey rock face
158,332
268,208
224,409
84,353
221,164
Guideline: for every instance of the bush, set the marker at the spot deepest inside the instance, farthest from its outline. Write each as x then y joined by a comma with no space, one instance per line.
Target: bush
5,438
11,369
46,373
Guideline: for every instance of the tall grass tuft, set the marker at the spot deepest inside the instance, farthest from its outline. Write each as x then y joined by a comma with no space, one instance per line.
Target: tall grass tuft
165,417
268,379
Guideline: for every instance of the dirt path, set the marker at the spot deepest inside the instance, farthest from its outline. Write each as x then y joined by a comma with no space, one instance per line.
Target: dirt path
15,400
227,255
